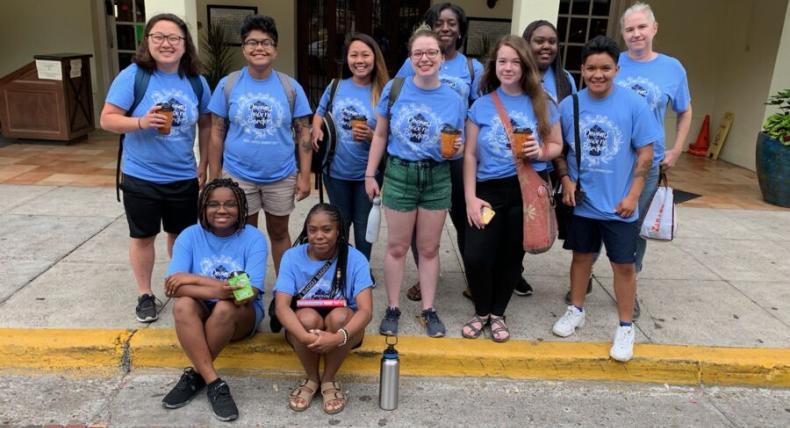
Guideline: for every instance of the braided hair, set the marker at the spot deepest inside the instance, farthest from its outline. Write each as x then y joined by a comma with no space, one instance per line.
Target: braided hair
341,246
562,86
238,195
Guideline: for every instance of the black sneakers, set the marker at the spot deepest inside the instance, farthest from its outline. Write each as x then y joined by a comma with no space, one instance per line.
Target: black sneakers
523,288
188,385
146,308
221,401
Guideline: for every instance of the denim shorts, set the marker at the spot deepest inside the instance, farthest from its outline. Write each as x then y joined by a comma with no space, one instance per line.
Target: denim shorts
411,184
586,234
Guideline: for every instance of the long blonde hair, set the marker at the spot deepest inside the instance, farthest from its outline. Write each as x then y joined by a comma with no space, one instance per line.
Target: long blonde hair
530,79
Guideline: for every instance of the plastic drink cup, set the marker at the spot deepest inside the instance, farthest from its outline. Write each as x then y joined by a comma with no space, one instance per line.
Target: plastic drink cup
166,110
449,136
359,123
240,278
520,136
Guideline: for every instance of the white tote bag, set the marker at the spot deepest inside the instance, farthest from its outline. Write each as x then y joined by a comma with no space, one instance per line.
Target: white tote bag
661,221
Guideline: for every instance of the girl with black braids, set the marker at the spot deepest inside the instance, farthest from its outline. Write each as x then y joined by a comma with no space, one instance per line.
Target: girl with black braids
324,301
207,316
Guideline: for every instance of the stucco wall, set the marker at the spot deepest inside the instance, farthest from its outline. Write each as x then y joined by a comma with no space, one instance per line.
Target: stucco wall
25,30
729,49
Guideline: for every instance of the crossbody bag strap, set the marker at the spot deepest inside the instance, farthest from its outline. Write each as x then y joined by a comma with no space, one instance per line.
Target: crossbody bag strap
577,141
314,280
500,109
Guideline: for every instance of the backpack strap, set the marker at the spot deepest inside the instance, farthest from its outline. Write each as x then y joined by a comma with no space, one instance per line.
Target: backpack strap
197,87
397,85
471,68
290,93
141,80
330,155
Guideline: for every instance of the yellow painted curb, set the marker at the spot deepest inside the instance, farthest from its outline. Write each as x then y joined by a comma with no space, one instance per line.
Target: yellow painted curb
50,349
422,356
60,349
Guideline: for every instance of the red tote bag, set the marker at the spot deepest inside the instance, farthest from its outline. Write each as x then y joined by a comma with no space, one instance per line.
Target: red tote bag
540,221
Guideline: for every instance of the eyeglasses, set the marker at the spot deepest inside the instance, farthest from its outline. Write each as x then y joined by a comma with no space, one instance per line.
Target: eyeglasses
253,43
159,38
229,205
430,53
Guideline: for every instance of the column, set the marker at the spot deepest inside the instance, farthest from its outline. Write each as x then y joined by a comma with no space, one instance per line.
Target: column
526,11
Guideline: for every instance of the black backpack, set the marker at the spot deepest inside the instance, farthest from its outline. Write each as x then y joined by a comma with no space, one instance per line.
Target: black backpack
322,160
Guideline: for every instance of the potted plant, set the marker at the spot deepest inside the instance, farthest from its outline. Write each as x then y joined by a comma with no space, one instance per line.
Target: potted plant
217,55
773,152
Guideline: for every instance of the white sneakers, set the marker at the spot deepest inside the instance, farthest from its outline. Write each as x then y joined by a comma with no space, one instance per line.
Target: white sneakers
573,319
623,344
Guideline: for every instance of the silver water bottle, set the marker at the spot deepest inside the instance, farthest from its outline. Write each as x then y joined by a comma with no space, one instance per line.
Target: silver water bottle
389,379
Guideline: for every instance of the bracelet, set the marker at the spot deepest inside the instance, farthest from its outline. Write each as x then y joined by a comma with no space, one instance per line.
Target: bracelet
139,123
370,176
345,337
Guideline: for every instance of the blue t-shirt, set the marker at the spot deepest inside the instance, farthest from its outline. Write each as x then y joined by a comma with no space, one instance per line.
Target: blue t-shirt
455,74
351,156
550,83
259,146
200,252
418,117
147,154
494,156
660,81
297,268
611,130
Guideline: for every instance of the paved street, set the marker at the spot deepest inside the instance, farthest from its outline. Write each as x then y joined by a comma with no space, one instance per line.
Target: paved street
134,400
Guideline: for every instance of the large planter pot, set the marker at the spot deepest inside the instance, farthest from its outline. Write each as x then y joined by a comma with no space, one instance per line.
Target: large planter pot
773,170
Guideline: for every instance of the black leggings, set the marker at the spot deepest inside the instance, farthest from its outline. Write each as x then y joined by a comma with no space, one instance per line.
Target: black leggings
457,209
493,255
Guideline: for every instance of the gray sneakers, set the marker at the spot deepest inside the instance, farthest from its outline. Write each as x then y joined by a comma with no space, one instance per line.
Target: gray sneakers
434,327
389,325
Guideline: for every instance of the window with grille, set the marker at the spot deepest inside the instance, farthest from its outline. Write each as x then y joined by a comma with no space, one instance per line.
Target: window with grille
579,21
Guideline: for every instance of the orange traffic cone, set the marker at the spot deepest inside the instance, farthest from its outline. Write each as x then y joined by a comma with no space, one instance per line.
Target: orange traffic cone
700,148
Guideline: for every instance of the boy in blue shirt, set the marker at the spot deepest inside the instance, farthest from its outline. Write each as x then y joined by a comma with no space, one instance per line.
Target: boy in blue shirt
617,133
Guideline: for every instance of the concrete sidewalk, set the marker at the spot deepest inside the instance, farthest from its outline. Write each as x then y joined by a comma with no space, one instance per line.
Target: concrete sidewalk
723,283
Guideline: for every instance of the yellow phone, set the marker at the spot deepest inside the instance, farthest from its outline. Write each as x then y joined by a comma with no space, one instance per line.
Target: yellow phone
487,214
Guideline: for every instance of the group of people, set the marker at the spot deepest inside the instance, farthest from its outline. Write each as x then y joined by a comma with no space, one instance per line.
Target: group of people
390,145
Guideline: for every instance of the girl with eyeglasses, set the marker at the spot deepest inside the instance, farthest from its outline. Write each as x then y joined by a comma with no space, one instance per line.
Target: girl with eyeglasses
417,183
364,76
462,74
160,178
263,110
207,314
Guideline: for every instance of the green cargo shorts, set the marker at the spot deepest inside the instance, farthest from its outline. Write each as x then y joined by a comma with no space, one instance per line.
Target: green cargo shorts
411,184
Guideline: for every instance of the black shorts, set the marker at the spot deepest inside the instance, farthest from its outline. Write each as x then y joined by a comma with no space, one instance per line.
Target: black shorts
586,234
147,204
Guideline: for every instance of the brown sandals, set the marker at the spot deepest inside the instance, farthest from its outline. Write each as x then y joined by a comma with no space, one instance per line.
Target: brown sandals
499,330
304,393
475,327
414,292
332,392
